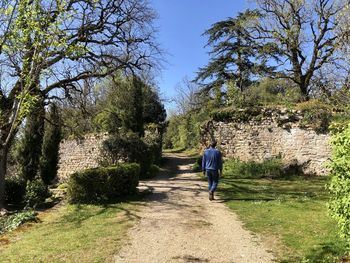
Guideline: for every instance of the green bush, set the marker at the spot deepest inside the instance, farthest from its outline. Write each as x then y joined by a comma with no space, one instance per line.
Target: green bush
238,169
237,115
269,91
12,222
130,148
153,171
103,183
339,186
154,142
197,166
36,193
316,114
15,188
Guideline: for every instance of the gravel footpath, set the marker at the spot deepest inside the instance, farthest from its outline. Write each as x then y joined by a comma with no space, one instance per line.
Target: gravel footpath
179,224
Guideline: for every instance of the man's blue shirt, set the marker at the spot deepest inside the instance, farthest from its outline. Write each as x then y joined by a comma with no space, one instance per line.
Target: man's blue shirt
211,160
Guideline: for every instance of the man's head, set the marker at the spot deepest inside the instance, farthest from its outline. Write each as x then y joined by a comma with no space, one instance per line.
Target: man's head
213,144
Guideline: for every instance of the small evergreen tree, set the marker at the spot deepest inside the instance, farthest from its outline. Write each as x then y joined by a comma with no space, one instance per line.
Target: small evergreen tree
136,110
29,151
50,149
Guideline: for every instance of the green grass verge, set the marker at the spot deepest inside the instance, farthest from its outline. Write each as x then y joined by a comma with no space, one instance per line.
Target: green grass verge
192,153
289,214
72,233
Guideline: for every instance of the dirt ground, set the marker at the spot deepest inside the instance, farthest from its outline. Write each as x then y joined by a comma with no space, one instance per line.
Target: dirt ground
179,224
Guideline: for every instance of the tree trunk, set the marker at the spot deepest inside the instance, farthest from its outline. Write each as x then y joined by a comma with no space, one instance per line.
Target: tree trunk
304,92
3,168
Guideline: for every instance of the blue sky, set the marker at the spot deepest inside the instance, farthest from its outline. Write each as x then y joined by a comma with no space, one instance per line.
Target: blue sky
181,24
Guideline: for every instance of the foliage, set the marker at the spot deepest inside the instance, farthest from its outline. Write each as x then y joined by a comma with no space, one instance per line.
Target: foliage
339,186
50,48
128,104
183,130
153,108
154,140
233,57
153,171
271,92
103,183
29,152
239,115
197,166
237,169
130,148
267,41
13,221
289,213
15,188
50,147
36,193
316,114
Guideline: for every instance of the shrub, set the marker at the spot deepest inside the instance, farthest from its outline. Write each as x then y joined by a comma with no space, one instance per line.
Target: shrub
103,183
153,171
12,222
316,114
154,142
339,186
237,115
197,166
130,148
15,188
239,169
36,193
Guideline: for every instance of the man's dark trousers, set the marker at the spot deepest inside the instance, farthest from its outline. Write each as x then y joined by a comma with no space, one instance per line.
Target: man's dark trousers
213,179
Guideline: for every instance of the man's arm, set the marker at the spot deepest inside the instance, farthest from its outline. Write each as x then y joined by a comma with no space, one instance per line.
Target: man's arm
203,163
220,164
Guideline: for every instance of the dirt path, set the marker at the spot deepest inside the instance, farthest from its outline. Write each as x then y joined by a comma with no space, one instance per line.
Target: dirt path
180,224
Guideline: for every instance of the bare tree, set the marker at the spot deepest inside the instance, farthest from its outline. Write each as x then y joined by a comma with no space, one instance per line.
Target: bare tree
188,96
304,33
51,45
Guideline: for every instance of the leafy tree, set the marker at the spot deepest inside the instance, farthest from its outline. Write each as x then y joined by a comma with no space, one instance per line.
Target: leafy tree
29,152
153,108
48,47
135,121
128,104
289,39
233,53
50,148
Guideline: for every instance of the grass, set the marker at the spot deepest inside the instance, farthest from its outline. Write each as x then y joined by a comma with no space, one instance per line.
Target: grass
71,233
289,213
192,153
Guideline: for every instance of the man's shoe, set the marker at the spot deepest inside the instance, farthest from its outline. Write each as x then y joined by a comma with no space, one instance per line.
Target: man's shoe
211,196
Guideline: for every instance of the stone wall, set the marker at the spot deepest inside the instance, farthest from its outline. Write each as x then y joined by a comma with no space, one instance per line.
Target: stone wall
79,154
271,135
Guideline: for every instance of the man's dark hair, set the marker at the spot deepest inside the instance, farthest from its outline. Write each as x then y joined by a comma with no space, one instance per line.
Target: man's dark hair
213,144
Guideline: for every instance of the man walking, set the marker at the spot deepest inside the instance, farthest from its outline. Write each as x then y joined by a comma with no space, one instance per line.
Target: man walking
212,167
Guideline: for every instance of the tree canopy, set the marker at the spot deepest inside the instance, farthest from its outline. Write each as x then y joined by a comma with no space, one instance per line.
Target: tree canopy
48,47
291,39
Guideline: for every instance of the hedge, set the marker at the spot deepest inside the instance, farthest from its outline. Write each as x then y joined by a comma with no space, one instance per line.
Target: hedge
130,148
15,188
103,183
